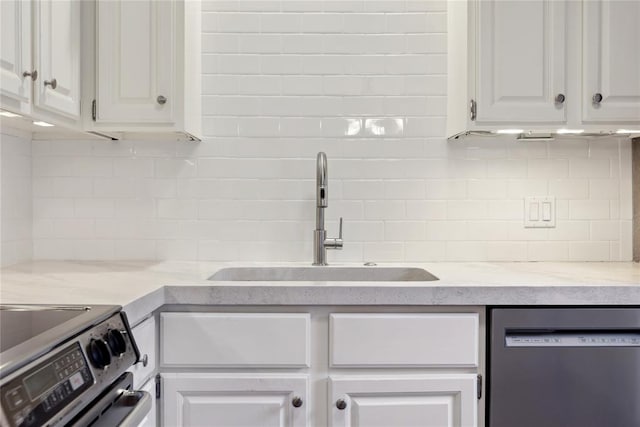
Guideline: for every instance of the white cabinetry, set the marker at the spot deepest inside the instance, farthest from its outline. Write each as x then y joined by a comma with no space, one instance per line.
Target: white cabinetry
611,43
235,400
521,61
15,56
145,336
57,53
320,368
147,67
417,400
447,341
536,65
40,59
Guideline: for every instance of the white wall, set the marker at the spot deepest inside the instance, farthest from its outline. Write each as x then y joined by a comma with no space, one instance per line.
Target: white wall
15,197
364,81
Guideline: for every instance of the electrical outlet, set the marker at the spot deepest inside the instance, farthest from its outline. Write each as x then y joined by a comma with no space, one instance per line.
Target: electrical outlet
539,212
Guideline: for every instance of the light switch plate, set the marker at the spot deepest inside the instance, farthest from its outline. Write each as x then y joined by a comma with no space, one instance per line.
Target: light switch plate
539,212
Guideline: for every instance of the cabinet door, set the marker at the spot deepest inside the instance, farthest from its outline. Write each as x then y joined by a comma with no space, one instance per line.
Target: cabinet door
520,59
611,49
15,56
150,419
135,61
57,53
424,401
145,336
211,400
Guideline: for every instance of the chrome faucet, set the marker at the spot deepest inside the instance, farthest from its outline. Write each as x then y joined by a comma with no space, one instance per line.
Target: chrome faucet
320,241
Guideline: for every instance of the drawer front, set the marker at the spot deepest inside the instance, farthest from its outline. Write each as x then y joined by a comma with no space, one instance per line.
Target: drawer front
235,339
145,336
409,340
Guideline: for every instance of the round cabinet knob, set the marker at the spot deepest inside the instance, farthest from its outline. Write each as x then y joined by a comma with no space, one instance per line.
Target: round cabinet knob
99,355
560,98
116,342
341,404
145,360
296,402
597,98
161,100
53,83
33,74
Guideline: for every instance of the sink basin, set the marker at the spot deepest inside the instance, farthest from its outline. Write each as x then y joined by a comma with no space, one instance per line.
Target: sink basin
322,274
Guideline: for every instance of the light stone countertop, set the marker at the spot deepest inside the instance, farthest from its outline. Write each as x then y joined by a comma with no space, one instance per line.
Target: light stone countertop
141,287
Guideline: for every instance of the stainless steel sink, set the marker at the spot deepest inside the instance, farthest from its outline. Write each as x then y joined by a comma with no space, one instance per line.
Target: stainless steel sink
322,274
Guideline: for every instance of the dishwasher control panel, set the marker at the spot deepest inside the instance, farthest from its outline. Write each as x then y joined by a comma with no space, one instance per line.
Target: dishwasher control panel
573,339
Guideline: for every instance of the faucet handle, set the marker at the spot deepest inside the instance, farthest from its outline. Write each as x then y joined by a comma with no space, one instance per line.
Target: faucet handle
340,230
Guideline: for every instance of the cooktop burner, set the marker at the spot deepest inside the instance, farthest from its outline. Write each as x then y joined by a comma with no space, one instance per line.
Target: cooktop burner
20,323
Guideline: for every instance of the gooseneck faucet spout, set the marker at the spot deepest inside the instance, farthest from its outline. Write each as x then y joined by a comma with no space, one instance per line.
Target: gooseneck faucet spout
320,241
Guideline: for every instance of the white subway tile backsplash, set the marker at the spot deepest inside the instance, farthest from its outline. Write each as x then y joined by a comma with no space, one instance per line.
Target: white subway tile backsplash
569,188
466,209
487,189
589,168
426,209
589,251
548,251
364,81
425,251
507,251
548,168
589,209
404,230
467,251
383,251
604,230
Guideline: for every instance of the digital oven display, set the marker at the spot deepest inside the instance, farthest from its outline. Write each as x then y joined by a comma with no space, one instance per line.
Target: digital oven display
40,381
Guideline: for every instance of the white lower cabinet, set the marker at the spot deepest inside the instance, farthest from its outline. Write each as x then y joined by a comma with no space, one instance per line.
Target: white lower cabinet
321,368
235,400
411,401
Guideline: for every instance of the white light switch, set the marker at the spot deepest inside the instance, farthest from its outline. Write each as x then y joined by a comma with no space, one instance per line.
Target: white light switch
539,212
546,211
534,211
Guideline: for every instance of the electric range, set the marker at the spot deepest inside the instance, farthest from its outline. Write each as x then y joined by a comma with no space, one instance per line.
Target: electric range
64,365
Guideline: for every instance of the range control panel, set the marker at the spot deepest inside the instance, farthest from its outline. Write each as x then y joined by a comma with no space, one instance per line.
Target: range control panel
51,388
42,391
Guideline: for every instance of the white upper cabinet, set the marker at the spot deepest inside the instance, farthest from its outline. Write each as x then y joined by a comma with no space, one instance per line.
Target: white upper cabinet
521,61
57,53
136,60
611,49
15,56
146,66
40,59
538,65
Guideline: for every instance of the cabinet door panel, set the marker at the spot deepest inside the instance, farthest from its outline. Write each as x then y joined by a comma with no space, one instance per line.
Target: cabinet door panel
15,42
234,400
403,339
521,60
425,401
135,61
611,41
145,336
235,339
57,24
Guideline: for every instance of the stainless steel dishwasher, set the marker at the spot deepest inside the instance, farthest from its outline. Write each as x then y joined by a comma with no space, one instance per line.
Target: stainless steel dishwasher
564,367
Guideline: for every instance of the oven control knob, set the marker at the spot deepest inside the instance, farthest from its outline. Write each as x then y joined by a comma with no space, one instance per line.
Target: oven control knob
99,354
116,342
